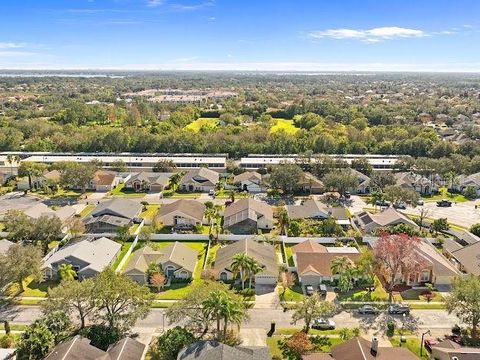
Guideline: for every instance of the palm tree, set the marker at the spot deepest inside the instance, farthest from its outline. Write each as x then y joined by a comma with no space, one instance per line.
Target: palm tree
211,214
344,267
253,268
283,222
175,180
375,197
10,161
67,272
240,265
219,305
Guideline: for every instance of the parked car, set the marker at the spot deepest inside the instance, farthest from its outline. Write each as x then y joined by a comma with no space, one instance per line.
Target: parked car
309,290
323,324
400,205
420,202
211,193
399,309
382,203
322,289
444,203
347,194
368,309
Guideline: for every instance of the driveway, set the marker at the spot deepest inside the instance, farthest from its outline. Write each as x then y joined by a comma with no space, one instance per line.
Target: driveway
266,297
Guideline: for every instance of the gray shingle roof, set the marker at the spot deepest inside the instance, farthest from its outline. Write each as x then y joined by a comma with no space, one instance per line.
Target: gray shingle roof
253,206
125,208
212,350
211,176
192,208
262,252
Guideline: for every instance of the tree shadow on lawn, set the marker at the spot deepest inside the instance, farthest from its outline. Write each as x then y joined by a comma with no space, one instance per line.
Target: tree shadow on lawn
380,322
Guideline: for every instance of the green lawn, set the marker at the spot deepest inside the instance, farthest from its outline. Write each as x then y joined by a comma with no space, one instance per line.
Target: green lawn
87,210
414,294
293,294
2,226
32,288
183,195
198,124
326,344
285,125
174,292
289,254
412,344
150,212
120,191
444,194
123,251
133,228
379,294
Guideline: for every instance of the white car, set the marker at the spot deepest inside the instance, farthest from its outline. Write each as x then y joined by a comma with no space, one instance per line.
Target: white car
323,324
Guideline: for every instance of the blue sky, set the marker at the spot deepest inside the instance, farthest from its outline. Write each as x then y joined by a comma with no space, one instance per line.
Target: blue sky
304,35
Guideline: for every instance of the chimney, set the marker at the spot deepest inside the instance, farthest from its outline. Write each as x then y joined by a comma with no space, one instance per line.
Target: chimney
374,346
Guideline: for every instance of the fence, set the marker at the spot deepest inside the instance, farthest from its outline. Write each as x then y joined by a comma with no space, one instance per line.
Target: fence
127,255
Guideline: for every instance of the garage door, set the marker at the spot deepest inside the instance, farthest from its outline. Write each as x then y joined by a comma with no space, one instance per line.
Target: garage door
265,280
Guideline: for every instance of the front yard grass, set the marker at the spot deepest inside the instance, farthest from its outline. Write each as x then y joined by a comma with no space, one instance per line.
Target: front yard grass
416,294
149,212
412,344
325,344
445,194
32,288
120,191
86,210
289,254
379,294
123,251
295,293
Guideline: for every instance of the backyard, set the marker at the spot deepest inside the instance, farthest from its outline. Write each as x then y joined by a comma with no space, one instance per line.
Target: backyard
120,191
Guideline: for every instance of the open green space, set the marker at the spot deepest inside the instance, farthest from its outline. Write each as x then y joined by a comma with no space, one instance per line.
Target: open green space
32,288
149,212
120,191
295,293
412,344
445,194
289,254
87,210
198,124
284,125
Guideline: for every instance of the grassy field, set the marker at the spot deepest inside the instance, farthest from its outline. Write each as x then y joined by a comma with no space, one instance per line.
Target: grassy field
150,212
379,294
198,124
285,125
412,344
120,191
289,254
87,210
444,194
32,288
293,294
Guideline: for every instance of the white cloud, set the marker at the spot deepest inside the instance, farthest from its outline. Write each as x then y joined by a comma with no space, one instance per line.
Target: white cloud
370,35
154,3
11,45
194,7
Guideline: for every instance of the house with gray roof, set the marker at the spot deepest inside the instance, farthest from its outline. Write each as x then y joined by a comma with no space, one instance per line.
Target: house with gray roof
465,258
309,209
201,180
369,222
412,181
88,257
148,181
182,213
465,181
262,252
79,347
246,216
363,182
249,181
177,260
112,214
213,350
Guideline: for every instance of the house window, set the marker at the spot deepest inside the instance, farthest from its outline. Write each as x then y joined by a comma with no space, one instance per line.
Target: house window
170,270
223,276
425,276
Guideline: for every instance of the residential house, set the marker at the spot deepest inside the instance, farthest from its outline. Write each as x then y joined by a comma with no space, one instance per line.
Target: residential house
313,261
310,184
436,267
246,216
177,260
465,181
4,176
88,257
412,181
250,181
79,347
112,214
64,213
309,209
39,182
449,350
359,348
104,180
201,180
463,237
182,213
148,181
263,253
363,182
213,350
5,245
465,258
369,222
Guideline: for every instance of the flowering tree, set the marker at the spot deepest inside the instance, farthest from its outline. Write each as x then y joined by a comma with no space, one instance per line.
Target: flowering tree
397,256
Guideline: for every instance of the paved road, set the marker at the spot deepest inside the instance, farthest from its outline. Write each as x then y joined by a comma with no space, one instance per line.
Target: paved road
463,214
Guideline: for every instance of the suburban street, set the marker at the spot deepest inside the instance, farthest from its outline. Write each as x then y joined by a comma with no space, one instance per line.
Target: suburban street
256,327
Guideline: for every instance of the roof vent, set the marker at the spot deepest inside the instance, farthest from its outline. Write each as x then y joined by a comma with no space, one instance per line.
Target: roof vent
374,347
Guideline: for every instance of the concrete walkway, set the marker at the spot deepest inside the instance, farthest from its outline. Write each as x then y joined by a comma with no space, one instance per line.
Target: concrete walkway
253,337
267,300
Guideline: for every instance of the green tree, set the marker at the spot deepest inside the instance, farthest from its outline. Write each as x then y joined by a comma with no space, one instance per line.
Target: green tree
239,266
381,179
470,192
19,263
164,166
283,221
362,165
175,180
168,345
311,308
31,170
102,336
308,121
345,268
341,181
219,305
464,301
294,229
67,272
35,342
366,265
286,177
59,324
253,268
72,297
123,233
440,225
77,175
475,229
397,194
18,225
119,166
47,228
121,301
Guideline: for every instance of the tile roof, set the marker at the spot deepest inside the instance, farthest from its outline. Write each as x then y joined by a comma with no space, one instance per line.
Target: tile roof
151,177
360,349
104,177
309,209
469,257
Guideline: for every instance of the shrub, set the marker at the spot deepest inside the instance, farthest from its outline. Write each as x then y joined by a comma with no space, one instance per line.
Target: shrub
102,336
7,341
168,345
390,328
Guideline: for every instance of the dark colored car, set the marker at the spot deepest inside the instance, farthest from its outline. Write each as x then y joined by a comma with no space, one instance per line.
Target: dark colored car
399,309
382,203
444,203
322,289
368,309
